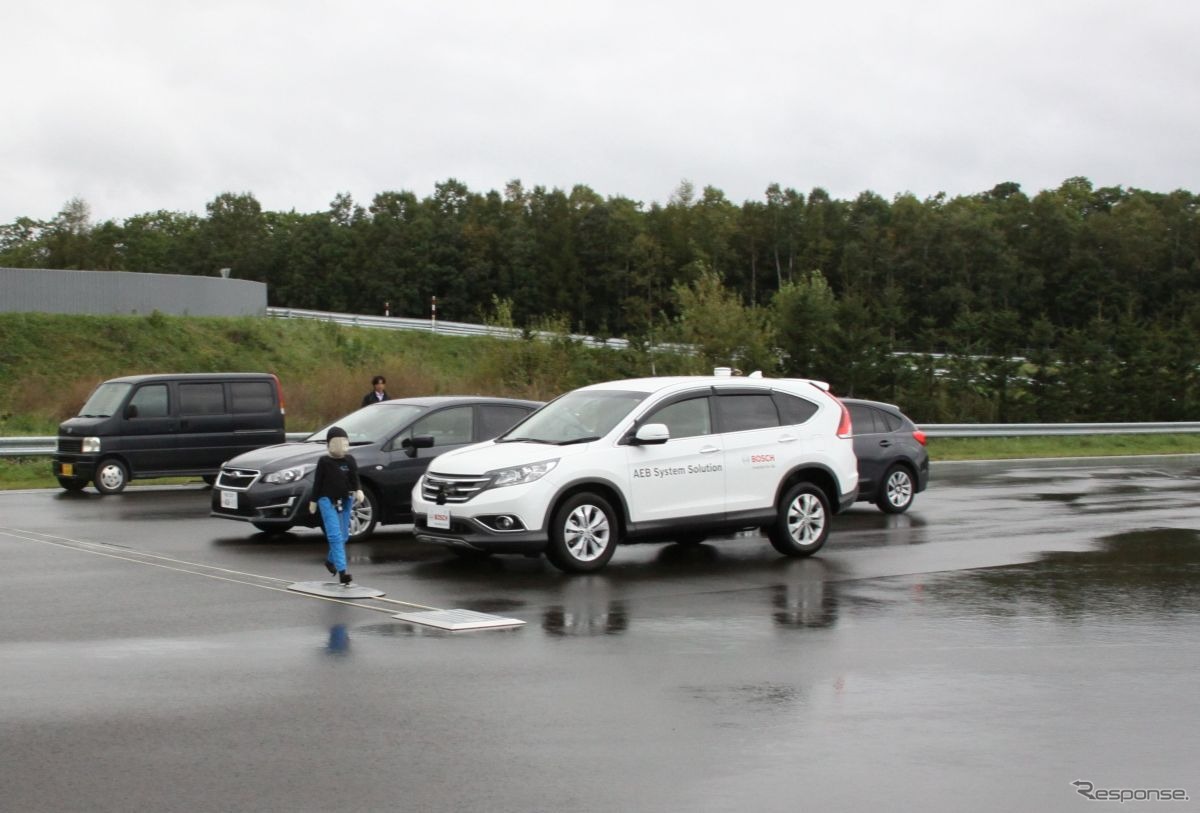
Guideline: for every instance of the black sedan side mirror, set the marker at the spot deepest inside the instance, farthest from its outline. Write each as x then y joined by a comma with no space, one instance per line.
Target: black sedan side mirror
410,445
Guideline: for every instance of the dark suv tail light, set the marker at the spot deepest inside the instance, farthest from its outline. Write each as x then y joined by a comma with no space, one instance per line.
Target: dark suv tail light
919,436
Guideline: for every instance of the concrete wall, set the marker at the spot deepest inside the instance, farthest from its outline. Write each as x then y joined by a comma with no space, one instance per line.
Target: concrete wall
124,292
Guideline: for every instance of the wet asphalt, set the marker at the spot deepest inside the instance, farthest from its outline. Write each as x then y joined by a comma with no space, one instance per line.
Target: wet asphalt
1024,627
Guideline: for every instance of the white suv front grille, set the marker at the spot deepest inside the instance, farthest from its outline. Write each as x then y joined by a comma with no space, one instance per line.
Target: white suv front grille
449,488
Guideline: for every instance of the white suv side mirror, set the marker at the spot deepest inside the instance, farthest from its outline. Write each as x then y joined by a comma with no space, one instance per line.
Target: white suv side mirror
652,433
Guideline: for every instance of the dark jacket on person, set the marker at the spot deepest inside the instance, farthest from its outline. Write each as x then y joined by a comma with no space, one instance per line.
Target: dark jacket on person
371,397
335,478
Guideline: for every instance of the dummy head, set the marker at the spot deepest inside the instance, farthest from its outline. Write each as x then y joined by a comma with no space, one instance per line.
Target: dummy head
337,441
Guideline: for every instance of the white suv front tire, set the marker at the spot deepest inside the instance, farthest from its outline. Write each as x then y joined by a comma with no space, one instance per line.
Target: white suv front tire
584,532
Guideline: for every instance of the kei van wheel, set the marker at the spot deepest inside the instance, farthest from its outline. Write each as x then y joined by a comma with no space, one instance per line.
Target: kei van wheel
111,476
583,534
898,491
802,524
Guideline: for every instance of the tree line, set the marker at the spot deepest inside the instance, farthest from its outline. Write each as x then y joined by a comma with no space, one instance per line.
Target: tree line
1076,303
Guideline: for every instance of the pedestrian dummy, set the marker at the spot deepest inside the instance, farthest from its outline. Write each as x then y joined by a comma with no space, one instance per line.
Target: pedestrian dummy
336,490
378,391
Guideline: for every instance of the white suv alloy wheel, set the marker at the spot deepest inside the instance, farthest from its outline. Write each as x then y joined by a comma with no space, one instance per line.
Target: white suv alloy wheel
587,533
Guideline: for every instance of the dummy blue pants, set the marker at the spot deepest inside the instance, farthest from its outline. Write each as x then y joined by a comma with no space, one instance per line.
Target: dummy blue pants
337,528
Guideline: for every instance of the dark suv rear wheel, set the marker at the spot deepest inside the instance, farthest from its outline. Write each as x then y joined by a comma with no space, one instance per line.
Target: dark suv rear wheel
897,492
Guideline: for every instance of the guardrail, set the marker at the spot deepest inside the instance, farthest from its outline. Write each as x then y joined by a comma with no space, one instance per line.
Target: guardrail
436,326
1006,430
41,446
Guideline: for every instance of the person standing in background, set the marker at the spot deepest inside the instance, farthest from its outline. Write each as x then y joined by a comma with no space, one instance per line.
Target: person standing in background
378,391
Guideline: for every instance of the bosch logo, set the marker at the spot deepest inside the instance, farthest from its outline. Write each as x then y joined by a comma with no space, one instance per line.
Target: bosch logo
762,458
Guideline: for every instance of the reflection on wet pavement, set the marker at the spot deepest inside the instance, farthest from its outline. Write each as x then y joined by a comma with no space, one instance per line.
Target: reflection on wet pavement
1154,572
339,640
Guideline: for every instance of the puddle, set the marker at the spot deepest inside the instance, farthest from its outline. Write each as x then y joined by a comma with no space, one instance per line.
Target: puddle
1155,572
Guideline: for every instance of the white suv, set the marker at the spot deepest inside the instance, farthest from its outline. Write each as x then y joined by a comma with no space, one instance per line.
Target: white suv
648,459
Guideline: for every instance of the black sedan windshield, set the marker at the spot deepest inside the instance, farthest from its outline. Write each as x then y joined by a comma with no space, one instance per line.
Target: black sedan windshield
374,423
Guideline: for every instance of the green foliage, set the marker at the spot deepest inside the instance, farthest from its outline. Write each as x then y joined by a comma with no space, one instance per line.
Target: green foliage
995,306
805,314
723,331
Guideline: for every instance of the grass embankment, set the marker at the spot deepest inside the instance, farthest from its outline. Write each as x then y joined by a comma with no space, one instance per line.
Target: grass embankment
49,363
1061,446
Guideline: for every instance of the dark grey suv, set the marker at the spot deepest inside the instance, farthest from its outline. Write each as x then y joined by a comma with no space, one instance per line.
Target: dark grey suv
893,464
392,443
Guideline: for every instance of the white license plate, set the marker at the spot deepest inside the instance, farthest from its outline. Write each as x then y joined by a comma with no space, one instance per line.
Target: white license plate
439,519
229,499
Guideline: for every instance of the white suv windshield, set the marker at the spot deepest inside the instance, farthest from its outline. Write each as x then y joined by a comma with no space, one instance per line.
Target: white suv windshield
576,417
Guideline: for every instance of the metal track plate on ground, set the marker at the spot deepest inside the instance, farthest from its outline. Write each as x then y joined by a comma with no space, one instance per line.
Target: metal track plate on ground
458,619
335,590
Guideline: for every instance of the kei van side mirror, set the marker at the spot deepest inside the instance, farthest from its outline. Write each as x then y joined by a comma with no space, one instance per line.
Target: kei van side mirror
131,411
410,445
652,433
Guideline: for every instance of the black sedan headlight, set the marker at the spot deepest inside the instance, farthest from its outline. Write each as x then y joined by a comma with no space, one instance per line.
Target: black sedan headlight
289,475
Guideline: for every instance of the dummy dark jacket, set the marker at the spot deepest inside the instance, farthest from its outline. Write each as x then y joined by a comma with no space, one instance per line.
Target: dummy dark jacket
335,478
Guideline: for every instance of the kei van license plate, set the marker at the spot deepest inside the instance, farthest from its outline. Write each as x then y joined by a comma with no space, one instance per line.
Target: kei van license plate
68,469
229,499
439,519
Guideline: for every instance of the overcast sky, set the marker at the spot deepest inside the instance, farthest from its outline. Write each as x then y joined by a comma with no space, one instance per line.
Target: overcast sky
141,105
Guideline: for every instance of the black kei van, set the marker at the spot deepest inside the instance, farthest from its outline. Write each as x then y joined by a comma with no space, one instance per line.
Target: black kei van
165,426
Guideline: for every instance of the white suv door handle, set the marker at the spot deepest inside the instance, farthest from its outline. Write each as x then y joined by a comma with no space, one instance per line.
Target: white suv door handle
709,450
788,439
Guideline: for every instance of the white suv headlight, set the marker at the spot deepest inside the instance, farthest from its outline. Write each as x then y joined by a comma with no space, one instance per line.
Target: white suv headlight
518,475
289,475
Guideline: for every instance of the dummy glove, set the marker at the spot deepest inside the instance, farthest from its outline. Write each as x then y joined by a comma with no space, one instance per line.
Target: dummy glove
358,497
312,508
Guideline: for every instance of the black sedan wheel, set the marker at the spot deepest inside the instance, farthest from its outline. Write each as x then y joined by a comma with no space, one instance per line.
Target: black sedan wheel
365,516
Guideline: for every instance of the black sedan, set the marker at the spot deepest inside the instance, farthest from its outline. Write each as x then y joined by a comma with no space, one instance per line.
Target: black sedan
391,441
893,464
